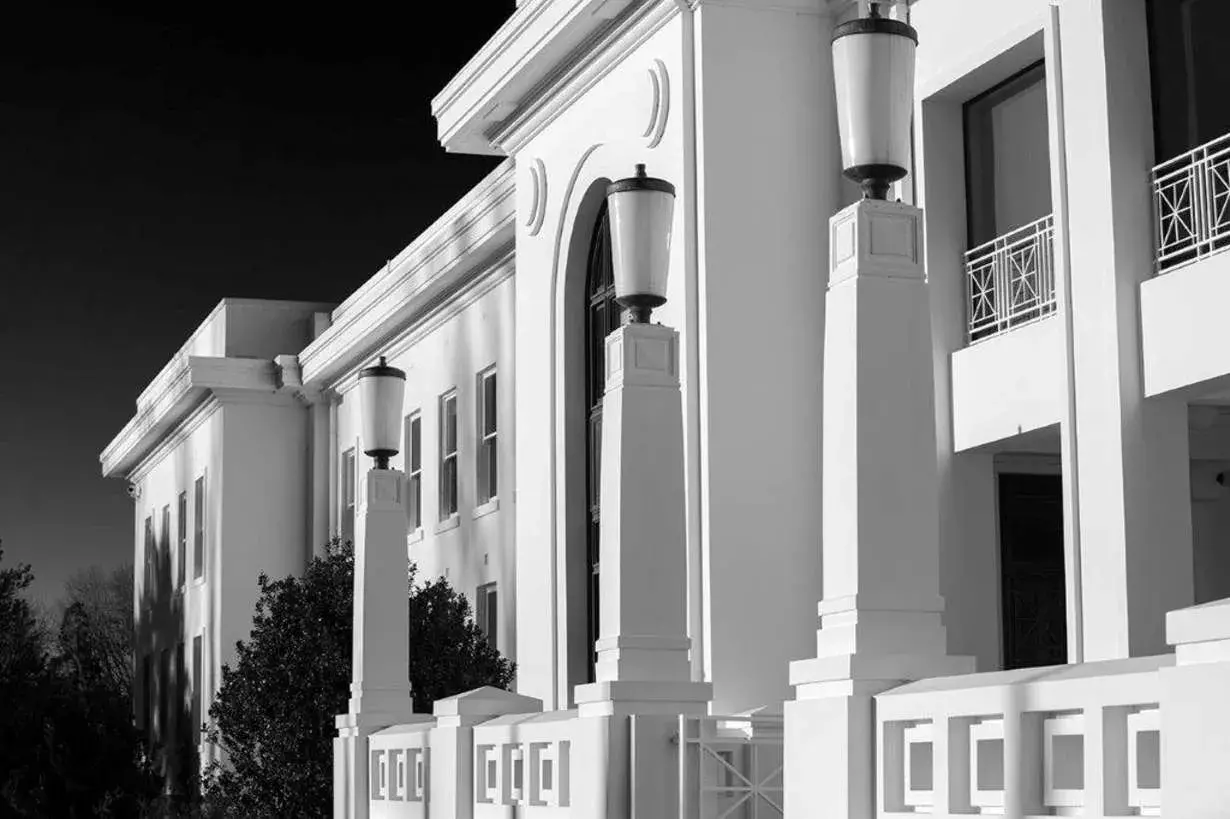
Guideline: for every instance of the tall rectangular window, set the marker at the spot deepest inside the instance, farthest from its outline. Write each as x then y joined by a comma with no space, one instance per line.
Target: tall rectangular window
164,542
348,495
414,470
198,533
147,690
181,688
1007,156
448,454
488,464
181,540
196,688
1189,73
164,697
487,612
148,560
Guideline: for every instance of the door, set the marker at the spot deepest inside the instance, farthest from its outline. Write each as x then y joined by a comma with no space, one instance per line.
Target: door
1032,573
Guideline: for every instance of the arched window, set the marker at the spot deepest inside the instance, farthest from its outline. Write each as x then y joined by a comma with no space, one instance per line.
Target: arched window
602,316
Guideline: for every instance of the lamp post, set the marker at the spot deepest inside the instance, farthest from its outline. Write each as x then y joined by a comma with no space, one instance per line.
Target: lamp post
873,71
380,686
643,647
881,613
381,390
641,208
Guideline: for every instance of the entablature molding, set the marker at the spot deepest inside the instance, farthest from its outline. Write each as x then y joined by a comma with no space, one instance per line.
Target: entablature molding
471,241
548,53
192,380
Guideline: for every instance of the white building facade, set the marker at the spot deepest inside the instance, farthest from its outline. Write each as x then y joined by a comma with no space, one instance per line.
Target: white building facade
1071,185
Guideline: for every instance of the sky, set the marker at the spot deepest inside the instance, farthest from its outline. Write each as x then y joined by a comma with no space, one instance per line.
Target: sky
156,160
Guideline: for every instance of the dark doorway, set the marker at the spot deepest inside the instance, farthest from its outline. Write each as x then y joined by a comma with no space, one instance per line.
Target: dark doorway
601,317
1032,575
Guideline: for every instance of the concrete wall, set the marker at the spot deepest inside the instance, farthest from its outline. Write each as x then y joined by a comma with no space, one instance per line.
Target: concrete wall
748,139
1008,385
443,353
1182,327
563,170
163,616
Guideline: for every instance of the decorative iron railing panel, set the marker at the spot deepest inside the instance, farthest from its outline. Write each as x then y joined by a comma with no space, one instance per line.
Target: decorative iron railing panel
730,767
1191,205
1010,280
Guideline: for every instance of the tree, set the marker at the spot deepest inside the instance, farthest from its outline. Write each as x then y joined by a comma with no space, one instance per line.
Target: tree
67,743
273,715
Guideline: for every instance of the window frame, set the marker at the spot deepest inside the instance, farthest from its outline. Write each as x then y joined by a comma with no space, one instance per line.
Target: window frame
198,676
487,612
181,540
148,545
200,502
414,471
448,459
486,461
348,497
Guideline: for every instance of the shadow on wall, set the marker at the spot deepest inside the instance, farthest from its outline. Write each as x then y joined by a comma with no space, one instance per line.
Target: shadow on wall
164,705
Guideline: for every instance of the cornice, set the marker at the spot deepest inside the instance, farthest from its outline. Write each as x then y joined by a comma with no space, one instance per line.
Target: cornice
189,381
431,316
578,72
526,49
548,53
466,243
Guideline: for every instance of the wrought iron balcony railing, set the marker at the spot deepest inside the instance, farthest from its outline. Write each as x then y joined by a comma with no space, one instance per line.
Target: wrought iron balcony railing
1010,280
1191,205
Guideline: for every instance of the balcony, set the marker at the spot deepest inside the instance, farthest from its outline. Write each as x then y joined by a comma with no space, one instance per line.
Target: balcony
1191,205
1182,307
1010,280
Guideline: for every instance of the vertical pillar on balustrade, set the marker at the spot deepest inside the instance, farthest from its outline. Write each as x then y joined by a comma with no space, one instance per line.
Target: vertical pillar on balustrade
643,648
1134,485
380,687
1195,714
881,616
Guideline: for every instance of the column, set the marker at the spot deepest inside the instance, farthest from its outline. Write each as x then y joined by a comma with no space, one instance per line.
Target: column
380,684
1133,487
643,661
881,617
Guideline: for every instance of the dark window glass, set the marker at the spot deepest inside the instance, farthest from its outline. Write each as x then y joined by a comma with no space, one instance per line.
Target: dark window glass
198,535
602,317
181,539
1189,72
1007,156
197,675
448,456
348,495
414,472
487,467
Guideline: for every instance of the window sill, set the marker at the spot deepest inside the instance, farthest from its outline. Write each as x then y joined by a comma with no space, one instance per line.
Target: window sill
414,536
487,508
450,522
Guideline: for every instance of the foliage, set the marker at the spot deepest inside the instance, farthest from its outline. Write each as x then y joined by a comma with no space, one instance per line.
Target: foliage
67,743
274,712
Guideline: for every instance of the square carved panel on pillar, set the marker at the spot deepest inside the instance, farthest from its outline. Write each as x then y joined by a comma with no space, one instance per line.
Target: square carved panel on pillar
646,354
876,238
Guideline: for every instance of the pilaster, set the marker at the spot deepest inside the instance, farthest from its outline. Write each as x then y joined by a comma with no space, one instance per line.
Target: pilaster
380,686
643,662
881,616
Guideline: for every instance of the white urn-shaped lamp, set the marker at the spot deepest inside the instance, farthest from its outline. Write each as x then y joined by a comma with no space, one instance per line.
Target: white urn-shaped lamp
381,389
641,209
873,70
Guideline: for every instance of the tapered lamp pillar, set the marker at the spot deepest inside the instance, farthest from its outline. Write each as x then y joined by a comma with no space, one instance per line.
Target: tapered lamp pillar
380,686
643,648
881,616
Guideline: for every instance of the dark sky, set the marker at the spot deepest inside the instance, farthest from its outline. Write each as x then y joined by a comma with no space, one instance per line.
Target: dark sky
154,161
